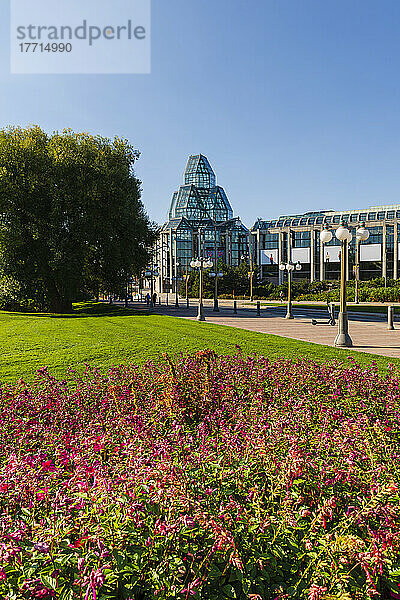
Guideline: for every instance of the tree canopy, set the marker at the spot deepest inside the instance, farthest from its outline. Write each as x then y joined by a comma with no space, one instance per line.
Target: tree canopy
71,217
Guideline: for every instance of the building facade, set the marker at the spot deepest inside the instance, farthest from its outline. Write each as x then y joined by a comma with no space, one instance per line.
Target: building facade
200,224
297,238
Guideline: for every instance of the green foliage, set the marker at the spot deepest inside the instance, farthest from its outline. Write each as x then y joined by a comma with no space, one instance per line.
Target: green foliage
235,281
71,215
205,477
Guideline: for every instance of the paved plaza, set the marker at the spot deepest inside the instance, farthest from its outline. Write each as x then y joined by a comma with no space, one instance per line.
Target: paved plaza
368,330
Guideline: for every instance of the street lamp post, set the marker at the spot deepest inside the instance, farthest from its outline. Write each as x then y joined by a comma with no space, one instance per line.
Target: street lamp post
251,272
126,294
200,264
325,237
251,275
343,339
362,234
187,284
216,275
151,273
176,285
289,267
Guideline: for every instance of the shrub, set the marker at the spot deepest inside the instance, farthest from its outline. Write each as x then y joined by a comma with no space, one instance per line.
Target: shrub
206,477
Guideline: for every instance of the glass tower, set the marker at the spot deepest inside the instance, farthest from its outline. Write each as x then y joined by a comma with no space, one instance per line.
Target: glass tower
201,223
200,198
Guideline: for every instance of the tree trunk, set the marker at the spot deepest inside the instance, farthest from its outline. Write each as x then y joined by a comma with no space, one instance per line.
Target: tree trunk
57,303
61,307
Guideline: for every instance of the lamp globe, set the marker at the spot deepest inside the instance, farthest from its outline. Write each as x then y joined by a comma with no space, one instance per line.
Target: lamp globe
326,236
362,234
342,233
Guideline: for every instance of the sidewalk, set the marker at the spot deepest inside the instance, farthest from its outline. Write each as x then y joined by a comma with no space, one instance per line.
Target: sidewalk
368,336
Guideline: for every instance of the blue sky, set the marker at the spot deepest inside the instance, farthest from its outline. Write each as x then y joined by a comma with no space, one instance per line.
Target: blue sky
296,103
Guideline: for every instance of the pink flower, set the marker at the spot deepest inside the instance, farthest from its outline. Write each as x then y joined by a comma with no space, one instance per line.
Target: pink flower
42,547
48,466
308,545
42,494
316,592
191,588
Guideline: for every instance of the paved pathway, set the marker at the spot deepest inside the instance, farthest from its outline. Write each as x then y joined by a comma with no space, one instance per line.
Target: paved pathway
368,331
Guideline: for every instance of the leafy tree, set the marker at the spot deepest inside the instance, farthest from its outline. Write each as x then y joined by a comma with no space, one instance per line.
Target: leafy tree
235,279
71,218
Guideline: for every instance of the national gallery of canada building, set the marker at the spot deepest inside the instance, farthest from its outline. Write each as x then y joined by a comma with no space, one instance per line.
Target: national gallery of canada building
201,224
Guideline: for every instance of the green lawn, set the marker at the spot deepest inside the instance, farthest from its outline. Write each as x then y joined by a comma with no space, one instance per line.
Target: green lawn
104,336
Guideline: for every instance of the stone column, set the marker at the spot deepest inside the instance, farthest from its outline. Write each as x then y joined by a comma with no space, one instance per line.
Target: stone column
384,257
227,240
280,256
171,251
395,251
321,259
312,253
193,249
158,262
164,252
175,272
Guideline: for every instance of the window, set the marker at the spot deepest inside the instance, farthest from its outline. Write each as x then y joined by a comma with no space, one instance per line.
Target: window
287,222
363,216
371,216
390,237
336,219
270,241
353,218
301,239
320,220
303,222
381,215
390,214
375,236
328,219
311,221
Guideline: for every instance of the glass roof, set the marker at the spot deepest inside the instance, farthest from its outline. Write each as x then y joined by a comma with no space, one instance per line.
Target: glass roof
323,217
199,172
200,198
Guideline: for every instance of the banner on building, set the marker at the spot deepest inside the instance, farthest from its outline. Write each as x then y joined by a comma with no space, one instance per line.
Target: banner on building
269,257
209,252
370,252
332,254
301,255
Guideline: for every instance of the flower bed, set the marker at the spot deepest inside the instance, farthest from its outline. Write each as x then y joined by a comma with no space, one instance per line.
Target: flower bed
207,477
